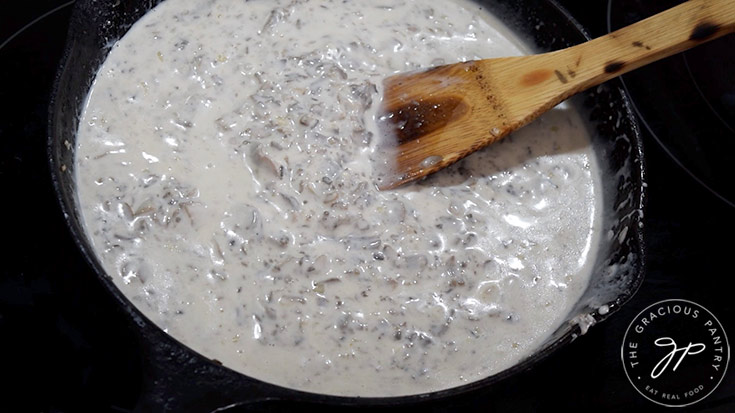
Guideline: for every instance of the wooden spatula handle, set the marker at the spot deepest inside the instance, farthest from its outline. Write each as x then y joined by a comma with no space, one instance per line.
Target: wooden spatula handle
646,41
443,114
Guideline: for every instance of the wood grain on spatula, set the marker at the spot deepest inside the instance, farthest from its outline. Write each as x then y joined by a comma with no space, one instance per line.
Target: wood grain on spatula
433,118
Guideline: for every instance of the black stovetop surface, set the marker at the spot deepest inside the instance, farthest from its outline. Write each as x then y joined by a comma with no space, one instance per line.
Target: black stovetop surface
65,345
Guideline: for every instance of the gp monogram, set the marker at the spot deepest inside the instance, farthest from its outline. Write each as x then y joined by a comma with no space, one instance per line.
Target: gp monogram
675,352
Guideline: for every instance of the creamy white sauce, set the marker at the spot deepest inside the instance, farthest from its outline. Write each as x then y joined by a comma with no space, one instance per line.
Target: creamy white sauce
224,177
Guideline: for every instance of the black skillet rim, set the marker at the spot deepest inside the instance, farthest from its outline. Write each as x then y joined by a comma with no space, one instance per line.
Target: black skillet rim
638,109
148,328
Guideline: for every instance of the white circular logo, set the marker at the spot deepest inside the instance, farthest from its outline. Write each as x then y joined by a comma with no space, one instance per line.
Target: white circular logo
675,352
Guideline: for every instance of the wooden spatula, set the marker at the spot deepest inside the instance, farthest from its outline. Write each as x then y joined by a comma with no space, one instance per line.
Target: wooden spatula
436,117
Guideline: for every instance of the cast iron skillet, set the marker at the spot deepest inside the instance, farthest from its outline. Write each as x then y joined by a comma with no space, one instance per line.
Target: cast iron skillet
177,378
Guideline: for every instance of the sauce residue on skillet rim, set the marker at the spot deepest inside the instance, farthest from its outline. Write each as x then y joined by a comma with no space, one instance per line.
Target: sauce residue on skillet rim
224,178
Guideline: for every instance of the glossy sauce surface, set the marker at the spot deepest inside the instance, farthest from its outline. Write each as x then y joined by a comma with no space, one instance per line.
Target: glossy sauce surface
225,179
